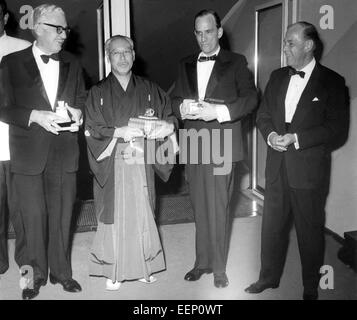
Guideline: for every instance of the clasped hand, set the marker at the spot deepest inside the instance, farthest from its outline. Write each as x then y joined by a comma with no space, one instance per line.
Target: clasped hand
206,111
280,143
128,133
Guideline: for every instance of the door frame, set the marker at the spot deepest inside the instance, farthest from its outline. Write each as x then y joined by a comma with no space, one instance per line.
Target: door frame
113,18
286,6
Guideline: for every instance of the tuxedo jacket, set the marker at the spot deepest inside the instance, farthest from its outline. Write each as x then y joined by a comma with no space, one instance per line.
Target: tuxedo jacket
319,118
230,83
21,91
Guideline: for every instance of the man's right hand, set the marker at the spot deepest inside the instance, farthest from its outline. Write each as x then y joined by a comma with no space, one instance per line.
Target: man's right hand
46,119
185,108
275,142
128,133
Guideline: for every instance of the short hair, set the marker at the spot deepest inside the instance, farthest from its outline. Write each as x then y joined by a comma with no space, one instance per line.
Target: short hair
44,9
310,33
3,7
117,37
206,12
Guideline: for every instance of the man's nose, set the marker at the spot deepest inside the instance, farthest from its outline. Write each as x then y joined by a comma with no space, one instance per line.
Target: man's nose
122,56
63,35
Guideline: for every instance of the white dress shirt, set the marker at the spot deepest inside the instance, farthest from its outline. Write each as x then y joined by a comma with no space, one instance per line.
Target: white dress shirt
49,74
293,95
204,70
295,89
8,45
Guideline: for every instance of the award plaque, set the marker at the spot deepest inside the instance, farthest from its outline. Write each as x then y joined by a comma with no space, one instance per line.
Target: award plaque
147,123
62,111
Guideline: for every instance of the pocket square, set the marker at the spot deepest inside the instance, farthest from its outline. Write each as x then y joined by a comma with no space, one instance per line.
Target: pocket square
316,99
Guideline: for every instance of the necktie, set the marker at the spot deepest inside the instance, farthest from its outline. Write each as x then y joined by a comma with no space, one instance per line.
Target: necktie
45,58
293,71
203,58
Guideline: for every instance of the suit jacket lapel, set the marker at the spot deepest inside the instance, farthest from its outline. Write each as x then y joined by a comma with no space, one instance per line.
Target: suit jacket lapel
306,97
32,69
218,71
191,71
63,75
281,94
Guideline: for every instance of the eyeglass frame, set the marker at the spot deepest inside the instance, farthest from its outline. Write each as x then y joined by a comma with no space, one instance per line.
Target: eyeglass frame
125,53
59,29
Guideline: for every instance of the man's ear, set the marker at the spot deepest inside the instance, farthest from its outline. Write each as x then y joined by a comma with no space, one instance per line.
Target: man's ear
133,55
6,18
220,32
36,30
309,45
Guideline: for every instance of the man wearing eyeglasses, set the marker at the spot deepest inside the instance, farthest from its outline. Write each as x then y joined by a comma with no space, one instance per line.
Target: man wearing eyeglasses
224,87
44,158
7,45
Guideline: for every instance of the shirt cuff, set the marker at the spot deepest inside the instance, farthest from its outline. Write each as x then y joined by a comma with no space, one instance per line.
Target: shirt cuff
182,117
268,142
296,143
223,114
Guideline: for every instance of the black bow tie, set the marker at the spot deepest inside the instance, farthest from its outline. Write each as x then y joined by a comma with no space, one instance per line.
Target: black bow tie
45,58
203,58
293,72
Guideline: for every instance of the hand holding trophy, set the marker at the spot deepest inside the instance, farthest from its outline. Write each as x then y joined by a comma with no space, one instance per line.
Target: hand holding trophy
152,127
72,117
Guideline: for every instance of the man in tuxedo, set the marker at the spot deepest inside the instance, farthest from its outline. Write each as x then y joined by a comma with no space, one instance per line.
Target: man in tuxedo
214,91
44,157
303,110
7,45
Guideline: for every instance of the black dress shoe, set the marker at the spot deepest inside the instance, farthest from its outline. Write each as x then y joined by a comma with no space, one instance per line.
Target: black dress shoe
260,286
69,285
28,293
310,296
220,280
196,273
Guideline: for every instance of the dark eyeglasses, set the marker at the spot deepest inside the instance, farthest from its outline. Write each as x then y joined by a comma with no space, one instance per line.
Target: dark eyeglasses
59,29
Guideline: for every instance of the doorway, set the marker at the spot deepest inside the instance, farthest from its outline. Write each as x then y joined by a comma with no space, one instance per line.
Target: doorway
113,18
271,22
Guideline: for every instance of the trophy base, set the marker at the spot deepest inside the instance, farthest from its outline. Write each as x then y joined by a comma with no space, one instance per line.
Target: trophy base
65,126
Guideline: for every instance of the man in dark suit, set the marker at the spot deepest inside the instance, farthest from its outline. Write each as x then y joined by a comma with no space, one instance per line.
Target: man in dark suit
304,109
44,158
213,92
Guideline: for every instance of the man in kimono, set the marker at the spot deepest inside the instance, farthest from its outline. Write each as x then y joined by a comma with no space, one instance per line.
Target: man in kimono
127,244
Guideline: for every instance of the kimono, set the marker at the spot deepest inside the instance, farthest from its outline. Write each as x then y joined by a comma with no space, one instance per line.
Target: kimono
127,245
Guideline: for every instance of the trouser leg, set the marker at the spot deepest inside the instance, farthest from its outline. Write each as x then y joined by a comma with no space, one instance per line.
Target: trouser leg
309,216
275,228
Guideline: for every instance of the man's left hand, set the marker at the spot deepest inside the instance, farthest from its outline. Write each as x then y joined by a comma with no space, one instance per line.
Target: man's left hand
162,131
207,112
75,114
286,140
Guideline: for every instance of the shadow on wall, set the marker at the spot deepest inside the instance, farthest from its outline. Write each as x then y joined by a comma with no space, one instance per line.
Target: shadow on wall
12,26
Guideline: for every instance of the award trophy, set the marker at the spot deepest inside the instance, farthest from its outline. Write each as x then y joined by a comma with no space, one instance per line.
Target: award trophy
147,123
62,111
195,107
